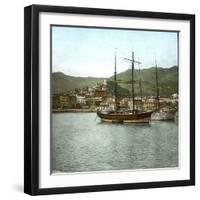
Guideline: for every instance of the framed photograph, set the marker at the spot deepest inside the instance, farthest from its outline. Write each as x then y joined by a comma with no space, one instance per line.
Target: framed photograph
109,99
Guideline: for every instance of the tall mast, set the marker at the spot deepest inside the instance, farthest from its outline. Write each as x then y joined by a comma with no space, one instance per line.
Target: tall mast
140,79
115,82
157,88
133,78
133,86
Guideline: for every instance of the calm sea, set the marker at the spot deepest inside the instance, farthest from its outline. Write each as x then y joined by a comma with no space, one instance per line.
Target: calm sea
81,143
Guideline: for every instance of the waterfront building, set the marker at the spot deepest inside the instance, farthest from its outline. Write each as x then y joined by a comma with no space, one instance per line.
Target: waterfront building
81,99
64,101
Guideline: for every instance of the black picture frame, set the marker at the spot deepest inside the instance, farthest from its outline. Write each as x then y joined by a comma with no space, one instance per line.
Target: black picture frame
31,98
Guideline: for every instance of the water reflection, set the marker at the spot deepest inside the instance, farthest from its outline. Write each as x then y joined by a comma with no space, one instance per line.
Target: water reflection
81,143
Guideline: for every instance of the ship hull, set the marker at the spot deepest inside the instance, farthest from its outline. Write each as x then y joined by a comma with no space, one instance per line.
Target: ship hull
163,116
114,117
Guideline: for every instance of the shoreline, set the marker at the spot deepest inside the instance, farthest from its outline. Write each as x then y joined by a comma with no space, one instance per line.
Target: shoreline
74,111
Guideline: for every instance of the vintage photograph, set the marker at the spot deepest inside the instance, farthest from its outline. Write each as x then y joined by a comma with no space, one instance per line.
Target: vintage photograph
114,99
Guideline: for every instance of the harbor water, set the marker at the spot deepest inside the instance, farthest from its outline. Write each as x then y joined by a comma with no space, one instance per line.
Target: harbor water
80,142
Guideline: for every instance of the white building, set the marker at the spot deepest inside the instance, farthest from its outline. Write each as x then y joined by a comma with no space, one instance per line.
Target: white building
80,99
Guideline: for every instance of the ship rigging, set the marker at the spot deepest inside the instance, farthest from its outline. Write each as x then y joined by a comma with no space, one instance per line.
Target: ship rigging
133,116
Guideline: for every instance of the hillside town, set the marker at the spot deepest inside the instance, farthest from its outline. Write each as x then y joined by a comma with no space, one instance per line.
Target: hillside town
89,99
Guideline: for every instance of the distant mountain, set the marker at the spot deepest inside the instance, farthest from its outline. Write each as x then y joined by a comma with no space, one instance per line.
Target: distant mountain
62,83
121,91
167,78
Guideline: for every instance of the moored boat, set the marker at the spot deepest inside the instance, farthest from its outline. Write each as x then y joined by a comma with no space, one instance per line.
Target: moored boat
161,114
117,116
121,117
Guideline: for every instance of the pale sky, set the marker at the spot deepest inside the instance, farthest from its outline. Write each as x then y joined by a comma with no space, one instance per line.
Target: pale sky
90,52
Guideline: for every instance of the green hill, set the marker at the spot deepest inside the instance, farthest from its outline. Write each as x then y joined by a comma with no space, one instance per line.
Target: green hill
167,78
62,83
122,92
167,81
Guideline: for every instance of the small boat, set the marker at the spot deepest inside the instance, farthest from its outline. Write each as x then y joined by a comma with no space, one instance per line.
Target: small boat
117,116
161,114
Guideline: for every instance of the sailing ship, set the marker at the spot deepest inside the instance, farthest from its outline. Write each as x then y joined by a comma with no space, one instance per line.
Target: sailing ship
133,116
161,113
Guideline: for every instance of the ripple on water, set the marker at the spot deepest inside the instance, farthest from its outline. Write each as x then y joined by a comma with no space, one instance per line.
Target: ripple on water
80,143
